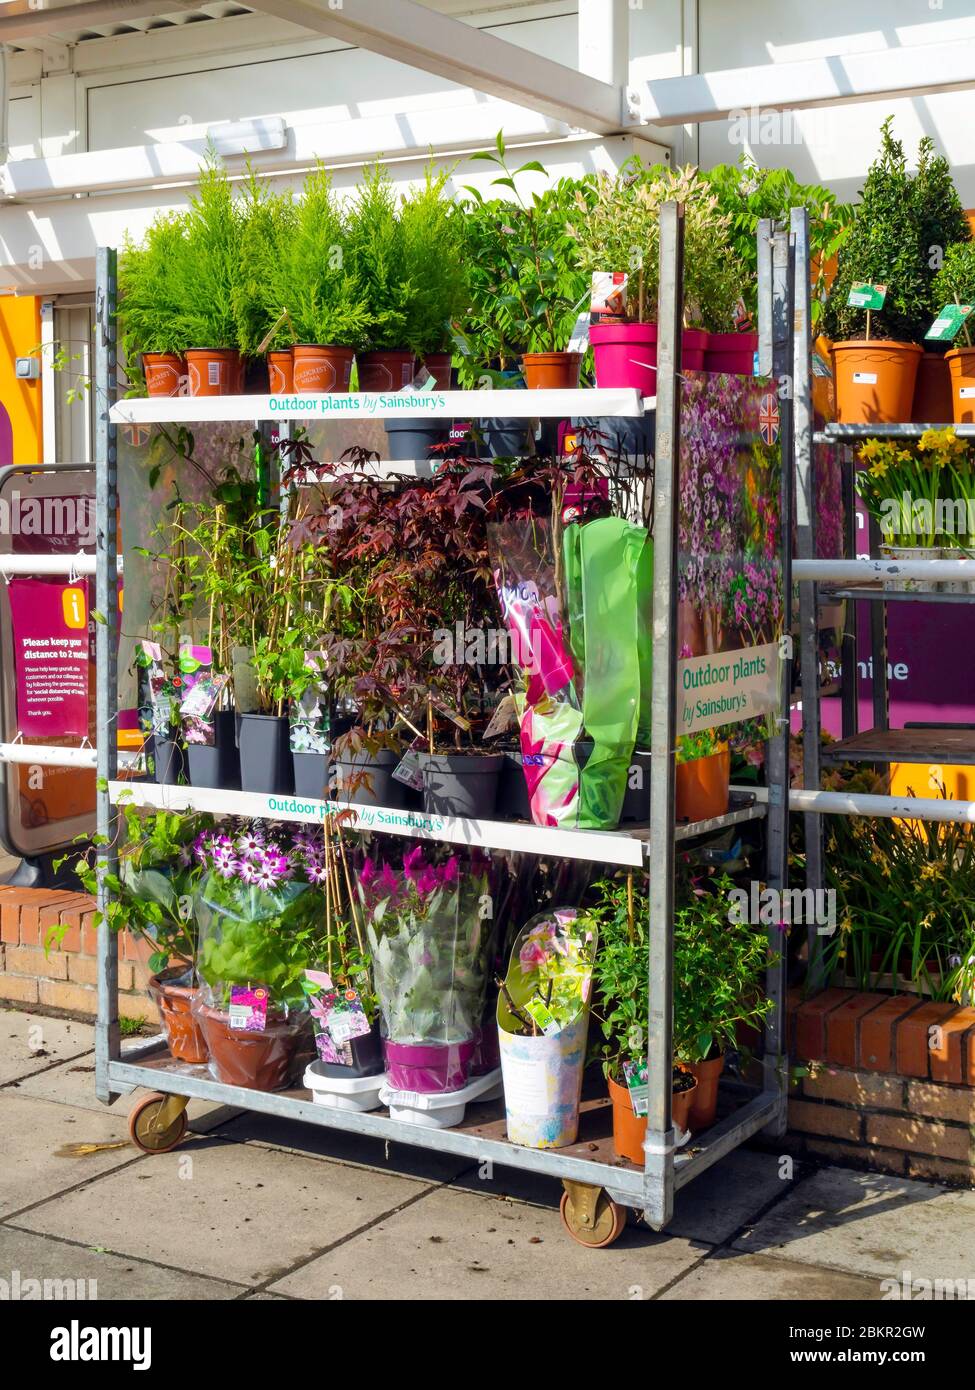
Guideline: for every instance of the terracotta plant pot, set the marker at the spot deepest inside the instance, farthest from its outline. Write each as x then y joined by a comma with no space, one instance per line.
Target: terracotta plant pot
280,372
932,391
213,371
875,381
321,369
552,371
961,365
386,371
164,373
261,1061
438,364
174,1002
704,1105
629,1130
702,786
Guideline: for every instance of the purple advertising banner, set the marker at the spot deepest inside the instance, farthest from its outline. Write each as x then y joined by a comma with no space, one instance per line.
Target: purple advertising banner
51,663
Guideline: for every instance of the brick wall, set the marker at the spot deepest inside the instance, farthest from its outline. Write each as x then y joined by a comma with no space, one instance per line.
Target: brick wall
890,1084
65,978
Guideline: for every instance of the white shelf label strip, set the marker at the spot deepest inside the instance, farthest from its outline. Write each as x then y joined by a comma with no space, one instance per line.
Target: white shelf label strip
597,846
360,405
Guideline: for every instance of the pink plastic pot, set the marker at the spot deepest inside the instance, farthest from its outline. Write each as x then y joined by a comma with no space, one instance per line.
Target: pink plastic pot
625,354
428,1067
731,352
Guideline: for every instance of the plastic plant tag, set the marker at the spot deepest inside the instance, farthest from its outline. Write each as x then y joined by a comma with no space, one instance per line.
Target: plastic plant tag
408,770
579,339
157,691
309,716
635,1076
866,296
542,1016
947,325
248,1008
607,302
504,717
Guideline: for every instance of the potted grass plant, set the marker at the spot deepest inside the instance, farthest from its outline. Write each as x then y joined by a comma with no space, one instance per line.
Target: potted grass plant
543,1023
955,284
154,901
430,946
150,310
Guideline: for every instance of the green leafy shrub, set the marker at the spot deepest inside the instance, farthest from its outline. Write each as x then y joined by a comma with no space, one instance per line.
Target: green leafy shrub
955,281
270,226
378,259
206,277
317,280
150,279
432,228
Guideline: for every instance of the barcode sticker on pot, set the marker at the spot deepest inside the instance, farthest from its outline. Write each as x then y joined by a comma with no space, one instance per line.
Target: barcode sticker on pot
966,392
865,378
213,373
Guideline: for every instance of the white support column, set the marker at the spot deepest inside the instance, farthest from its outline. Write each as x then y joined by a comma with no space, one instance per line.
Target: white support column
49,385
690,49
604,40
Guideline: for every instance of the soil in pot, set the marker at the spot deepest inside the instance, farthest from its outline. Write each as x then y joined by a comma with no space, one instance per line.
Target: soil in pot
961,365
261,1061
280,372
461,784
213,371
386,371
704,1103
366,779
311,775
874,381
168,761
164,372
731,352
428,1067
932,391
321,369
216,764
367,1057
702,786
173,997
552,371
264,741
630,1130
415,436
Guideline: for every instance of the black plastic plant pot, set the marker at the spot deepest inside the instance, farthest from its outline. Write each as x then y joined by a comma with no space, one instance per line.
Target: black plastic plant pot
264,741
636,800
621,435
513,802
505,437
413,438
461,784
216,765
311,775
374,775
168,761
367,1058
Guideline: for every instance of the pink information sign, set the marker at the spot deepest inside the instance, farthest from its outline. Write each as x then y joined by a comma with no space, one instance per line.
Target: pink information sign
50,628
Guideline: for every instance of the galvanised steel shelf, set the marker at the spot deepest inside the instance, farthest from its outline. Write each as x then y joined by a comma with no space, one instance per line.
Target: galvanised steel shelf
849,434
624,848
919,746
875,593
372,405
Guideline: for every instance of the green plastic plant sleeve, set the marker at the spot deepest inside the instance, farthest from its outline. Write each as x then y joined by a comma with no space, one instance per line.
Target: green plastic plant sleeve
609,596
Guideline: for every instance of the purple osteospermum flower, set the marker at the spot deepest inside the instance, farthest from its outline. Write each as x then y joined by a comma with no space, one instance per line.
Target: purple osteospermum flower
264,878
317,873
248,871
250,844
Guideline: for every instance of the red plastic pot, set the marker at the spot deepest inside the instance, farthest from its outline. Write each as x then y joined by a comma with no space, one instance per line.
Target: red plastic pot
174,1002
625,354
386,371
428,1067
731,352
551,371
164,371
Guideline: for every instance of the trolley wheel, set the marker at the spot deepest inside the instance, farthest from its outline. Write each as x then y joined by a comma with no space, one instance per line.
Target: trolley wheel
596,1222
158,1122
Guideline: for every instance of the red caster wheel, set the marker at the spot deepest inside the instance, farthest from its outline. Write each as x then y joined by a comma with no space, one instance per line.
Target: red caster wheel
590,1216
157,1122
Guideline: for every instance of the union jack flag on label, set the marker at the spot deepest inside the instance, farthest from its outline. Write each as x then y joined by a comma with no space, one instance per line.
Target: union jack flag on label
768,419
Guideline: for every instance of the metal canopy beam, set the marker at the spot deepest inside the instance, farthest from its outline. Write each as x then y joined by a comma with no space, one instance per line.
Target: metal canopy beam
421,38
828,81
26,19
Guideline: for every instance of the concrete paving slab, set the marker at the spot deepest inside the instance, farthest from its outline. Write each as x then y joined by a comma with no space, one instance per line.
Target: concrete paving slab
30,1043
228,1210
73,1084
337,1144
728,1275
458,1245
111,1276
718,1202
870,1224
33,1130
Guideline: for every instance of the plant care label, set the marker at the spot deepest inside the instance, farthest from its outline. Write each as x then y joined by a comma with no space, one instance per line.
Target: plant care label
607,298
344,1016
727,687
635,1076
947,325
504,717
248,1008
579,338
408,769
528,1086
865,296
543,1016
864,378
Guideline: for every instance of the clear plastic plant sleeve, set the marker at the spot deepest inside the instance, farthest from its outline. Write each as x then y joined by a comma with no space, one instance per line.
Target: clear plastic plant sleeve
543,1026
430,932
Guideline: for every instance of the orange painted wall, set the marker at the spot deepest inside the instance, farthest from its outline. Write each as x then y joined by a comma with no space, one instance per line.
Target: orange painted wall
20,333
